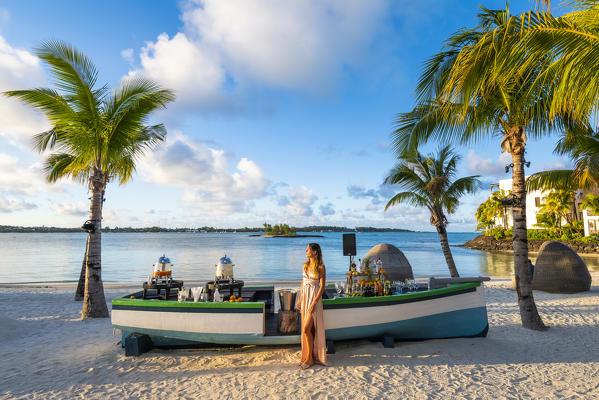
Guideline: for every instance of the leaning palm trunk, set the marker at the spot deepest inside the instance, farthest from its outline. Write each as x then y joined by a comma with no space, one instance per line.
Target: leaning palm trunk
94,302
442,232
528,309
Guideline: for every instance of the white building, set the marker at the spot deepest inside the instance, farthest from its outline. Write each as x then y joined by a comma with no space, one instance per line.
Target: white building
535,199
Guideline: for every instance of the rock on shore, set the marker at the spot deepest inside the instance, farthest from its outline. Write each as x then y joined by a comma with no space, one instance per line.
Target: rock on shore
489,243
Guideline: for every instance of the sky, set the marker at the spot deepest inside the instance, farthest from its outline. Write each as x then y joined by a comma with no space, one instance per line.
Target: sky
283,114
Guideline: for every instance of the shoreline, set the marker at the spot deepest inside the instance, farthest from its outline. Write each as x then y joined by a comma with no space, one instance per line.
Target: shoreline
489,243
49,352
286,236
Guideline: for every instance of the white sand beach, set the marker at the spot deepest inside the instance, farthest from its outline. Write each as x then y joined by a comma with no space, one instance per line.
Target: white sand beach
47,352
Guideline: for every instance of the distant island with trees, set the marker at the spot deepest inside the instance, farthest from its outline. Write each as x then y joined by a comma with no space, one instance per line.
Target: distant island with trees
202,229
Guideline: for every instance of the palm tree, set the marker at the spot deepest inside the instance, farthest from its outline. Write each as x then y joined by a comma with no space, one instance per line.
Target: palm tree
591,203
429,183
460,99
96,136
557,206
571,41
492,209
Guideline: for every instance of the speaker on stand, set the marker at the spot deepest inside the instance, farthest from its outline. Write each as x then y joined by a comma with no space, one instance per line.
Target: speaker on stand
349,246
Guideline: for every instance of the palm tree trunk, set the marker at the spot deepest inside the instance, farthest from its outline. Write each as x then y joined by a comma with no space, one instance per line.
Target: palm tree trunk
528,309
94,302
442,232
81,285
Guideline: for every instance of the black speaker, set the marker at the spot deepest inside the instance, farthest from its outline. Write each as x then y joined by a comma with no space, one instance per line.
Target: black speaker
349,244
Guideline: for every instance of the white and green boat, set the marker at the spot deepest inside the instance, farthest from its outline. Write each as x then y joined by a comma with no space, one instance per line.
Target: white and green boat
458,310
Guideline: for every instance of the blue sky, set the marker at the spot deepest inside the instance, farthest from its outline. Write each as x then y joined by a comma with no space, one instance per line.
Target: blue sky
283,110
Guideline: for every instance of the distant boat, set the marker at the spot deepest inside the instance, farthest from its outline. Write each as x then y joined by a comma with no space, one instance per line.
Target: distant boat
458,310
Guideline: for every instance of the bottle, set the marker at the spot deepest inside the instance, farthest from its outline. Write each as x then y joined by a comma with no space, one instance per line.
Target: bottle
379,265
217,297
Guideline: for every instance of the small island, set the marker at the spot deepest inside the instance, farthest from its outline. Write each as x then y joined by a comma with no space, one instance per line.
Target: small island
281,231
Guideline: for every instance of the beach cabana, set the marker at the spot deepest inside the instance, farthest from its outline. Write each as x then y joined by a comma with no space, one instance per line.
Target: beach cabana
560,270
394,261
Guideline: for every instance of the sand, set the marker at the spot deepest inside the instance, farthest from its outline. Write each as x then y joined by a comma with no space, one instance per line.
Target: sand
47,352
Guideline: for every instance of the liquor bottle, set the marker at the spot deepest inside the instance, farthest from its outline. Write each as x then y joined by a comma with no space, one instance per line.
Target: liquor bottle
379,265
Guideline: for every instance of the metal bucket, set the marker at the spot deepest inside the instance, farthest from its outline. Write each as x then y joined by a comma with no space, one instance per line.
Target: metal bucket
287,299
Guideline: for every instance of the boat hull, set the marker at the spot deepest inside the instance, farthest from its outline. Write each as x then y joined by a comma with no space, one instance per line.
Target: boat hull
456,311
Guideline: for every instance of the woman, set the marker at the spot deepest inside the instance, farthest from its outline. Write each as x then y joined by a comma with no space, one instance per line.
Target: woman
310,304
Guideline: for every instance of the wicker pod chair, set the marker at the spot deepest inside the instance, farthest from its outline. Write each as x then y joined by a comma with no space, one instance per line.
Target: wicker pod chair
394,261
560,270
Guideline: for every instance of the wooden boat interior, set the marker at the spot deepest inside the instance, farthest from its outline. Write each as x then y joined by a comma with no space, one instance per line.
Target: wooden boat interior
251,293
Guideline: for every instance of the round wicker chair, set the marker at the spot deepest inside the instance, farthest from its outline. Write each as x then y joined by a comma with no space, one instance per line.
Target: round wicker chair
560,270
394,261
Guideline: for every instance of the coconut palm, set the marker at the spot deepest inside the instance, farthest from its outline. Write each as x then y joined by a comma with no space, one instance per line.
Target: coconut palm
460,99
557,206
571,41
96,136
428,182
492,209
591,203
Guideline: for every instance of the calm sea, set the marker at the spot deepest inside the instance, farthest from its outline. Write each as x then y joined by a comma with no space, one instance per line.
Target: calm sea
128,257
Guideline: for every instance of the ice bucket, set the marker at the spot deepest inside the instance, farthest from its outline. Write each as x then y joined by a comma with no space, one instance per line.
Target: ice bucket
287,299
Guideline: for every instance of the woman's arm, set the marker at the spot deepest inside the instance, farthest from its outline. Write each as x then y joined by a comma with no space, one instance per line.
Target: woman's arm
298,303
323,279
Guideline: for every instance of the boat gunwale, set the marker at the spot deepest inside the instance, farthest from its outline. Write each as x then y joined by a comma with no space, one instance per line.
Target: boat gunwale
327,303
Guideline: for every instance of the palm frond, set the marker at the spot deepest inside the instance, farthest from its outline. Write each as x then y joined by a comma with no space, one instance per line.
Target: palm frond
410,198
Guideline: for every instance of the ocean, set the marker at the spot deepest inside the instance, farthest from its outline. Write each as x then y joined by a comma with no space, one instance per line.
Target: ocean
128,257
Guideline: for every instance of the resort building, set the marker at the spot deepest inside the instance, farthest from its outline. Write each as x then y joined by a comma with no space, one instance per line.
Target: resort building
535,200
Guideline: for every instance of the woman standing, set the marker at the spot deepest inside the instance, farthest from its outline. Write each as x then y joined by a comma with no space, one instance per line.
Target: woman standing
310,304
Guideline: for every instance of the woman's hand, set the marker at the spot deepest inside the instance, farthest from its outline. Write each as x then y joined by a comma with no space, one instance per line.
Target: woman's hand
298,306
311,308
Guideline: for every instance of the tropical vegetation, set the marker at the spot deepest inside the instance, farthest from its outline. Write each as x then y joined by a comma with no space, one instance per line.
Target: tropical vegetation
279,230
591,204
428,181
492,210
97,136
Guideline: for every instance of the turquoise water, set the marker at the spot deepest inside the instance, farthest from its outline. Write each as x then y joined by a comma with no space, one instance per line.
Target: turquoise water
128,257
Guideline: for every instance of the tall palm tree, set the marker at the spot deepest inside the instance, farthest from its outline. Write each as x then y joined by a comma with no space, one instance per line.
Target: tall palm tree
96,136
571,40
428,182
460,99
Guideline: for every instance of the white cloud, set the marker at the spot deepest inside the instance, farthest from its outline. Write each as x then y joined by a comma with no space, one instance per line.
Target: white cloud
185,67
20,179
484,166
298,201
127,55
12,205
327,209
79,209
227,45
203,174
19,69
557,164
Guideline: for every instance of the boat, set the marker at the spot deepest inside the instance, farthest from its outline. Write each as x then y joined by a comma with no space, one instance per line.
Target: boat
457,310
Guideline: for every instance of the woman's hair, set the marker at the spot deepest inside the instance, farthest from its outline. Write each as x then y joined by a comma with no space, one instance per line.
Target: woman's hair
316,249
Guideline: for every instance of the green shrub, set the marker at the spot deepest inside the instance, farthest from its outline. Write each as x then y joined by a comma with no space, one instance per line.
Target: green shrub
593,239
541,234
498,232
